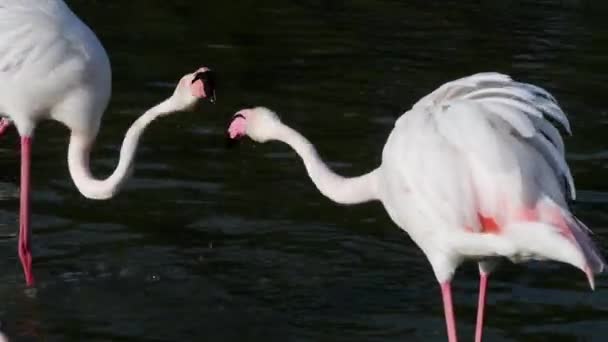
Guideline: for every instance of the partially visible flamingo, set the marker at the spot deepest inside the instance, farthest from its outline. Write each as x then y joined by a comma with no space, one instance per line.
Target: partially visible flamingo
52,66
475,170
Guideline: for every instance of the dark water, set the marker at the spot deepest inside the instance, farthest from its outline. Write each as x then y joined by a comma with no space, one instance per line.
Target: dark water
206,244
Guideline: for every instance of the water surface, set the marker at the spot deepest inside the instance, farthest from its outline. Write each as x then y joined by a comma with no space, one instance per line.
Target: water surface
206,244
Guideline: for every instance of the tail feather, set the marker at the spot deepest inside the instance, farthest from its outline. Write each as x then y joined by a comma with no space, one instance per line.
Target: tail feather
578,234
581,233
574,245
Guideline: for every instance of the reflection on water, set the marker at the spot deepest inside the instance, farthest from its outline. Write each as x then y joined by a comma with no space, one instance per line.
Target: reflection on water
209,244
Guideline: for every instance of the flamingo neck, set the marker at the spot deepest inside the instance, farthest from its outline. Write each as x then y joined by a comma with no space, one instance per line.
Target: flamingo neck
335,187
79,151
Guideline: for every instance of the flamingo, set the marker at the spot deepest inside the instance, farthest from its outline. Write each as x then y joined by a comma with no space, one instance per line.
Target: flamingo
52,66
474,170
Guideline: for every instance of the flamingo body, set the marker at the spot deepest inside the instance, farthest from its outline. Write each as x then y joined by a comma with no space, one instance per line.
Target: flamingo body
468,172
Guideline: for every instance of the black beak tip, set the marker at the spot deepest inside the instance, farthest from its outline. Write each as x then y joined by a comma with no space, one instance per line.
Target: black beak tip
209,80
230,143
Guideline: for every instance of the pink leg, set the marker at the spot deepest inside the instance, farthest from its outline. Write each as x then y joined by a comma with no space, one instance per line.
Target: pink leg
4,125
448,309
483,286
24,211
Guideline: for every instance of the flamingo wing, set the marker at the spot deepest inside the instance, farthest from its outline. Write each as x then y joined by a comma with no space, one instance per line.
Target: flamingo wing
483,152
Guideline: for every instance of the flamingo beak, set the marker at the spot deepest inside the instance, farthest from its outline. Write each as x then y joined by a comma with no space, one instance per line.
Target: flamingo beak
208,78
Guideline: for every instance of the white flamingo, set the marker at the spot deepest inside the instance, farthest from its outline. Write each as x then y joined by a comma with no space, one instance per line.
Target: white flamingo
52,66
475,170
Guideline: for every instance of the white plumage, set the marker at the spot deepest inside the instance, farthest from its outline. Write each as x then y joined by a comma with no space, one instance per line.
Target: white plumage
475,170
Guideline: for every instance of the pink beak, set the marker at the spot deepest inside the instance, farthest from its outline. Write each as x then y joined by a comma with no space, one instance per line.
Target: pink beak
238,127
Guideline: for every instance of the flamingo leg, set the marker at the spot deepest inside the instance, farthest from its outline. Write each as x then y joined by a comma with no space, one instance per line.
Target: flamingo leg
448,309
25,254
483,286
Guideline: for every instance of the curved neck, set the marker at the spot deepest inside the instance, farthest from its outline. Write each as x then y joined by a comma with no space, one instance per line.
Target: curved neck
335,187
79,152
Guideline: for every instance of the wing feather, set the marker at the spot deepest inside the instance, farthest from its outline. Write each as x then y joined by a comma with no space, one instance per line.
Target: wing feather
551,133
521,123
474,112
556,160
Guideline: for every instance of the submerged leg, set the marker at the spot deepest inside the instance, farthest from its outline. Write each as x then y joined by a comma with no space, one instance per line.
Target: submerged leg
483,286
24,211
448,309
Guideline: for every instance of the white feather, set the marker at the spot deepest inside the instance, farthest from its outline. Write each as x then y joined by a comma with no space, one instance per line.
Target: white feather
516,105
521,123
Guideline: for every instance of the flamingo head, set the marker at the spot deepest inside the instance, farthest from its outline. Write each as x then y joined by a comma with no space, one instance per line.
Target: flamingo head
259,123
199,85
